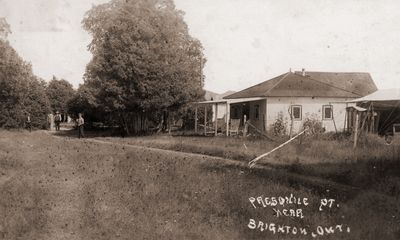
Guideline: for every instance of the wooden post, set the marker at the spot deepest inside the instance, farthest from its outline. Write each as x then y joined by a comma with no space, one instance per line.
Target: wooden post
372,126
216,119
372,123
345,120
378,118
228,116
254,161
291,122
205,120
195,119
367,113
244,126
333,119
356,131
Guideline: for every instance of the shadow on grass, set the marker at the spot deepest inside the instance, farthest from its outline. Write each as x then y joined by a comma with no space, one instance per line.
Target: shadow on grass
115,132
382,176
73,133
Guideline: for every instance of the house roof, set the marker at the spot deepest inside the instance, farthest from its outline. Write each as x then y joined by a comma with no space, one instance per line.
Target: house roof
313,84
233,100
212,95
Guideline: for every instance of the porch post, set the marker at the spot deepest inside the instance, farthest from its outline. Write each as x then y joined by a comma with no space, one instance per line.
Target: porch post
205,120
356,130
216,119
244,125
195,119
345,119
228,116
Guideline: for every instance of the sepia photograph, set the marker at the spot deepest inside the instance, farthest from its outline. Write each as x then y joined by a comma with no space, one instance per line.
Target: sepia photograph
199,119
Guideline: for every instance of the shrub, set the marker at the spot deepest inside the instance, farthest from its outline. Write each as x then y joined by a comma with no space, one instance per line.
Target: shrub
314,126
279,126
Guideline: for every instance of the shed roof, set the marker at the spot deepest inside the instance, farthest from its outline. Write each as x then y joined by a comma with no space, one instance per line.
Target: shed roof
383,99
381,95
312,84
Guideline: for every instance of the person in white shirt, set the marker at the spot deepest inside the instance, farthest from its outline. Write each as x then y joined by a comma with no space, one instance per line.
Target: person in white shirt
29,123
80,122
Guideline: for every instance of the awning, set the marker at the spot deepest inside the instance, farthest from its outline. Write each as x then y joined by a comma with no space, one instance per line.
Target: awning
359,109
384,99
381,95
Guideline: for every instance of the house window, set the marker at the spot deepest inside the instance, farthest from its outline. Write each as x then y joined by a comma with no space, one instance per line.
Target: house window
327,112
256,111
296,112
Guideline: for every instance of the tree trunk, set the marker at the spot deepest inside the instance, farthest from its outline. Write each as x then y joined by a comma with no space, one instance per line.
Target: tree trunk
165,120
124,124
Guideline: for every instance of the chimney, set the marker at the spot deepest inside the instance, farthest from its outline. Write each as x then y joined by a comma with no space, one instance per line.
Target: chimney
290,69
303,72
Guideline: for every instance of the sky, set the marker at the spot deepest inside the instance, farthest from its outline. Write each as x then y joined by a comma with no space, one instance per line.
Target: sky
245,41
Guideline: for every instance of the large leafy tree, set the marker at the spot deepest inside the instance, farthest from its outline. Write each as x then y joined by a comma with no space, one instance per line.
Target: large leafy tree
59,92
21,93
84,102
144,59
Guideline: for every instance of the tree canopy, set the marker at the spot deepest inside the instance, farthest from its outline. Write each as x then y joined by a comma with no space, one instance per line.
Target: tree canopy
4,29
143,56
59,92
84,102
21,92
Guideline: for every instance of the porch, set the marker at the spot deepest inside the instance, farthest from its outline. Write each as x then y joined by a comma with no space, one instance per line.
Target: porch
229,116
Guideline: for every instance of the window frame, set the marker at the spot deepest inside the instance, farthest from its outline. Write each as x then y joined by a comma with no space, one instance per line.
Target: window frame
292,112
323,111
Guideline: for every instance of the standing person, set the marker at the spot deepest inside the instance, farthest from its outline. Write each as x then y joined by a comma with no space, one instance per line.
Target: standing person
80,122
57,120
50,121
28,122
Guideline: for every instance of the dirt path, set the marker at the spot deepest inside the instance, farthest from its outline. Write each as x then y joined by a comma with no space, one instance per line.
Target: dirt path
310,181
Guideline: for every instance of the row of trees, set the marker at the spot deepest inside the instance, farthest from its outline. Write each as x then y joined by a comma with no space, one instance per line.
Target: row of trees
22,93
145,67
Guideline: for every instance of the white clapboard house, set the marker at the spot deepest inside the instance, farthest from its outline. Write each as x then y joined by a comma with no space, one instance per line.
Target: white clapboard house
293,98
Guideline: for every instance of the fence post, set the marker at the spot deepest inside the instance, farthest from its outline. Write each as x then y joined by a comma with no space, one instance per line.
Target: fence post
227,118
216,119
356,131
205,119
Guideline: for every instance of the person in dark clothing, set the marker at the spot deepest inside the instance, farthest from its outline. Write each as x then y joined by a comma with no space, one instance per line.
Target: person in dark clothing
57,121
80,121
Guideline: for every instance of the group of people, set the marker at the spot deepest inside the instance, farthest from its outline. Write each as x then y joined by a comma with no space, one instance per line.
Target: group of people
57,119
79,122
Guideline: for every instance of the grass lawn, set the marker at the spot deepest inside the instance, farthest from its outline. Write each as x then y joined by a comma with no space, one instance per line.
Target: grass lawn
371,164
66,188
